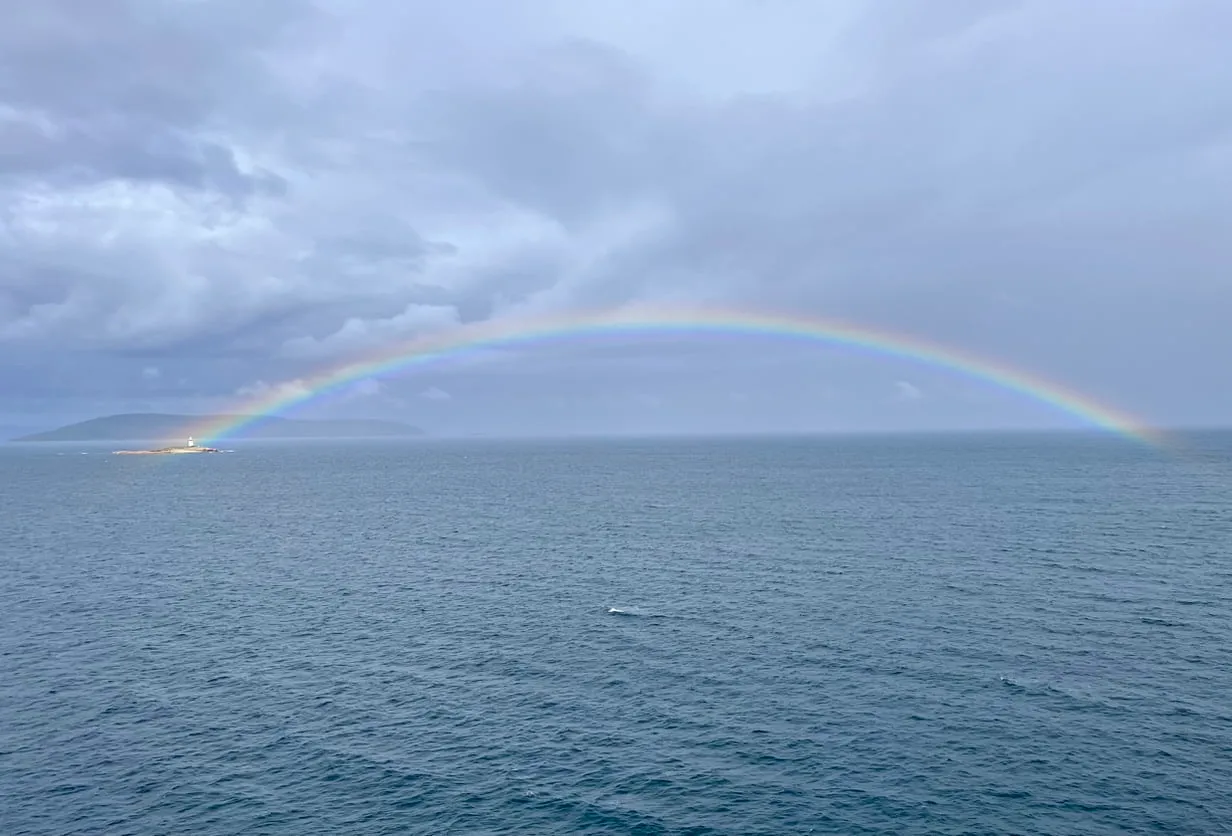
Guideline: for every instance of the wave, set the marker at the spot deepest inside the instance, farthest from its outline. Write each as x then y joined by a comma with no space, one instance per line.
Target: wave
632,612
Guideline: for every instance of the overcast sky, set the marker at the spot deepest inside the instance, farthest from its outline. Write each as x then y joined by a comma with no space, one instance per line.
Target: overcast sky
200,198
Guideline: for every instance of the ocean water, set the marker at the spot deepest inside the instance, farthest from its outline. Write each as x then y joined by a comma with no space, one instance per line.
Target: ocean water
915,635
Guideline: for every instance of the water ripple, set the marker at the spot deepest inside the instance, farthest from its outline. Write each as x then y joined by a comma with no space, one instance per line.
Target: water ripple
675,638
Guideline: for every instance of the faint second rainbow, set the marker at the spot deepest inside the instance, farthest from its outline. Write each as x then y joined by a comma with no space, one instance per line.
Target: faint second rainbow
691,320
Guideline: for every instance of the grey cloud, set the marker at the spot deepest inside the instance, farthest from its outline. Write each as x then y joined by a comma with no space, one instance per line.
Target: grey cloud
100,89
571,134
288,182
930,173
102,104
72,155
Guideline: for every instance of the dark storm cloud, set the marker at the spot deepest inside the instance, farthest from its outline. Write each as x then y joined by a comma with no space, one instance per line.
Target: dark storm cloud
103,89
279,183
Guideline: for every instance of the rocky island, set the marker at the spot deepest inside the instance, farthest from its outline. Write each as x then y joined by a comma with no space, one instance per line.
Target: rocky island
191,447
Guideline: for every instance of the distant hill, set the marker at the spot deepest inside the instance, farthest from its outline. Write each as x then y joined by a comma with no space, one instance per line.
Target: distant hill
174,428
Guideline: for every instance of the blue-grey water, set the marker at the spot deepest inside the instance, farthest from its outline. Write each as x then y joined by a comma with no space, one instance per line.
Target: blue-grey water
930,635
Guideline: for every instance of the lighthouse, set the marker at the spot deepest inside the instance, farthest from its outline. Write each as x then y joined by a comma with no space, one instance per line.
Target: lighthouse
191,443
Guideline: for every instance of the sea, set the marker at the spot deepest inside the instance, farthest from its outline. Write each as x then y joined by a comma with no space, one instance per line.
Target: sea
985,634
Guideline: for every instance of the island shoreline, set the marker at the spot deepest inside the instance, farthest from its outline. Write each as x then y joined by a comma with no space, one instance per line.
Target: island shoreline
167,451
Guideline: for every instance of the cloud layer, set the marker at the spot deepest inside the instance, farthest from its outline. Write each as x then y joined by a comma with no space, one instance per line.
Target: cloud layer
232,193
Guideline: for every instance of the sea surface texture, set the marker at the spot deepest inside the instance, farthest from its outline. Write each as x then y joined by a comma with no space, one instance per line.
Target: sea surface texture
929,635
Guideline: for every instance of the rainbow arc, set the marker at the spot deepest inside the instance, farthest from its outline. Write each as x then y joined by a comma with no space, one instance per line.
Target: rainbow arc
633,322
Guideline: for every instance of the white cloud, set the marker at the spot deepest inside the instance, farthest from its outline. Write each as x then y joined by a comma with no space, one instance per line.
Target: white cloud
261,389
434,393
906,391
357,335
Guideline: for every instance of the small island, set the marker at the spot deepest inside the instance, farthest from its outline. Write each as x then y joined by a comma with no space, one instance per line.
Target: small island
191,447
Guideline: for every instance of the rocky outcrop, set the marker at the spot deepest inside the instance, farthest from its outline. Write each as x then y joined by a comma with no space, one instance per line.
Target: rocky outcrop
167,451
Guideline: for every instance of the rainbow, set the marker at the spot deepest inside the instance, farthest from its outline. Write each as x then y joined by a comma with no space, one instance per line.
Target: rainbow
628,322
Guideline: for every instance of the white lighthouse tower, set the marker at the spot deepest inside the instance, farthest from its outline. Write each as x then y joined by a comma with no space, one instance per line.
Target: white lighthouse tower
191,443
